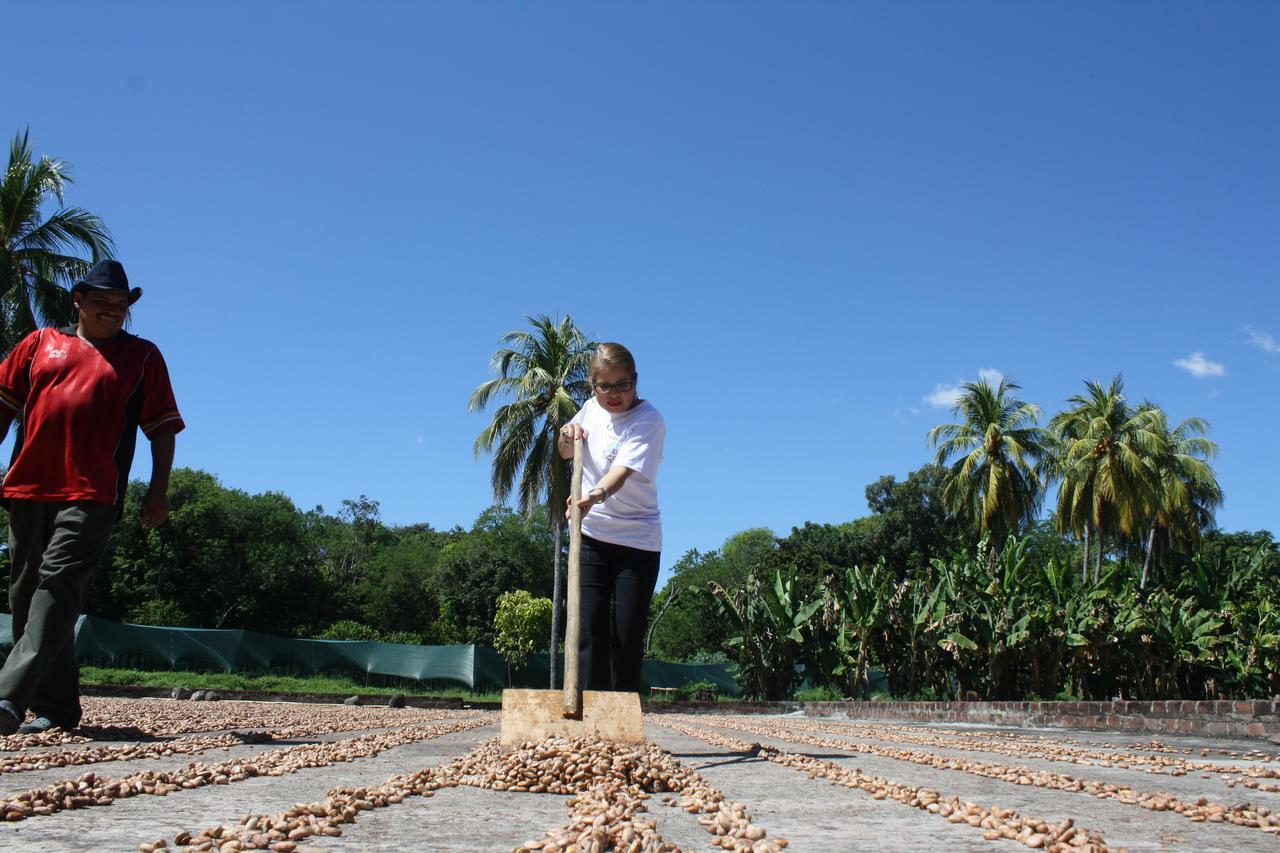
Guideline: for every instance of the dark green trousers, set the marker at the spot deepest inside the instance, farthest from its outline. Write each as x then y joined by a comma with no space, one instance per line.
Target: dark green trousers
55,548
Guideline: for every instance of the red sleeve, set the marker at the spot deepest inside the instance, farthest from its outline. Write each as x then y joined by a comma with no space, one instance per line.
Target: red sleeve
159,412
15,375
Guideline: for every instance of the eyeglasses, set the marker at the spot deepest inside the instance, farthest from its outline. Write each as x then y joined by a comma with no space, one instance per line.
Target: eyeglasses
609,387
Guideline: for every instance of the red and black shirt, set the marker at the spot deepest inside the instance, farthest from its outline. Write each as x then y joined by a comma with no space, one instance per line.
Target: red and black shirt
79,408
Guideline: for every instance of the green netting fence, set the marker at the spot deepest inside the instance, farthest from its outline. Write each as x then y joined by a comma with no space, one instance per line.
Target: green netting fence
478,668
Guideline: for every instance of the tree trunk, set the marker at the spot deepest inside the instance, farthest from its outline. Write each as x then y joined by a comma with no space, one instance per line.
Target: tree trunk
1084,561
1097,563
557,592
223,618
671,596
1146,562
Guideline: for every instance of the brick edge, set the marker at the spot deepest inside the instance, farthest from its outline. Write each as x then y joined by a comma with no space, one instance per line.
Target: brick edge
1216,718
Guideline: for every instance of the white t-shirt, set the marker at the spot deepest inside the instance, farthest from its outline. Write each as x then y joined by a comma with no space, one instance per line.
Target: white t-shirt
632,439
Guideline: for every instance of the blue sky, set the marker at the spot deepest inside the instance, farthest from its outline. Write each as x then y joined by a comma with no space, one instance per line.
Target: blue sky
807,220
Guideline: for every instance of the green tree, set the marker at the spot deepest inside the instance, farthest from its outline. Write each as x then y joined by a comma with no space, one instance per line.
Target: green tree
503,551
546,374
1107,460
995,482
684,622
349,541
819,551
770,623
225,558
1188,493
521,627
914,526
40,257
861,600
400,591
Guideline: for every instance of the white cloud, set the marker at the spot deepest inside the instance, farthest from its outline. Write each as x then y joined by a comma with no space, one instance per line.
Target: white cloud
1263,340
1200,367
945,396
913,410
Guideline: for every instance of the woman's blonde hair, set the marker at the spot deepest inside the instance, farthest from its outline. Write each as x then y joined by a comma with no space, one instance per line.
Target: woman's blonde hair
611,355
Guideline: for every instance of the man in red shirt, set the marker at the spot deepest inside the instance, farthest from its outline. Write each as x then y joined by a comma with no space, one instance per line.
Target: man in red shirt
80,394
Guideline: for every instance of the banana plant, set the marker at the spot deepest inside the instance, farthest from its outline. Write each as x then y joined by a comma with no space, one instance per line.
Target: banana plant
861,602
771,622
1254,656
1056,585
906,646
1183,634
962,633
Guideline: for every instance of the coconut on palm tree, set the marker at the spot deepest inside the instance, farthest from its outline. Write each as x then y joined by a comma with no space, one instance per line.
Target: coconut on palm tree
545,373
41,257
1108,465
1189,492
995,481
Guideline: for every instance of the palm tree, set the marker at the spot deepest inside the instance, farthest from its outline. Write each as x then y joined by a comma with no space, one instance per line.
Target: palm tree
1107,464
41,257
1189,491
545,372
995,483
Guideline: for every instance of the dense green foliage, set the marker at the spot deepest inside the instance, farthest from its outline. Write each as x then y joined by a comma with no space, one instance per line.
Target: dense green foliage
1025,625
954,588
907,529
228,559
685,624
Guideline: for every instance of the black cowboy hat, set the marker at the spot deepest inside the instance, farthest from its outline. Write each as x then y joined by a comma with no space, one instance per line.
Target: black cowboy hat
108,275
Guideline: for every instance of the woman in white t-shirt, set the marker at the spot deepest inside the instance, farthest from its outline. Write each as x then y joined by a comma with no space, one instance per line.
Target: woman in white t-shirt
621,525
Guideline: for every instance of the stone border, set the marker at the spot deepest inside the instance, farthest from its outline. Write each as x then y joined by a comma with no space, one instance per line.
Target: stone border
1216,718
662,706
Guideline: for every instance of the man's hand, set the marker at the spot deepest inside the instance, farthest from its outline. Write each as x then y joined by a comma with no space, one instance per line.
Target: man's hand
155,508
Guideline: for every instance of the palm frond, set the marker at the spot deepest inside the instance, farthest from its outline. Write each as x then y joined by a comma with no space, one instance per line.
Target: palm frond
544,369
41,258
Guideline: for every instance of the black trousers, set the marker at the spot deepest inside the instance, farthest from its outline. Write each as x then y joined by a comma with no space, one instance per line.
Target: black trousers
56,548
616,587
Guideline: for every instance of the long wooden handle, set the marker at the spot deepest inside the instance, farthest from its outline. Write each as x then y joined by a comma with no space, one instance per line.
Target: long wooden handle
573,622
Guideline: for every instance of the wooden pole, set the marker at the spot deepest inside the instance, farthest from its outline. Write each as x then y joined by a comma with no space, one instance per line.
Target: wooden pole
572,688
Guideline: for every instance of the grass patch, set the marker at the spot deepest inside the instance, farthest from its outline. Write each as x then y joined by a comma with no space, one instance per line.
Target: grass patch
265,682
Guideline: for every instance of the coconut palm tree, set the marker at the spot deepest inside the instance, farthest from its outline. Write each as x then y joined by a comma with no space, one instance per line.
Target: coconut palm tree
1189,491
995,482
545,372
40,258
1107,464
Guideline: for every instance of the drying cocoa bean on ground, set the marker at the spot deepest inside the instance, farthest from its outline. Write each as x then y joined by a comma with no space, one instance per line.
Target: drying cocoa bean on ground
148,774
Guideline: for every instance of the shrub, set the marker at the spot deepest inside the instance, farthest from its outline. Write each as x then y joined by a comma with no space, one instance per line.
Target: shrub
348,629
159,611
697,691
